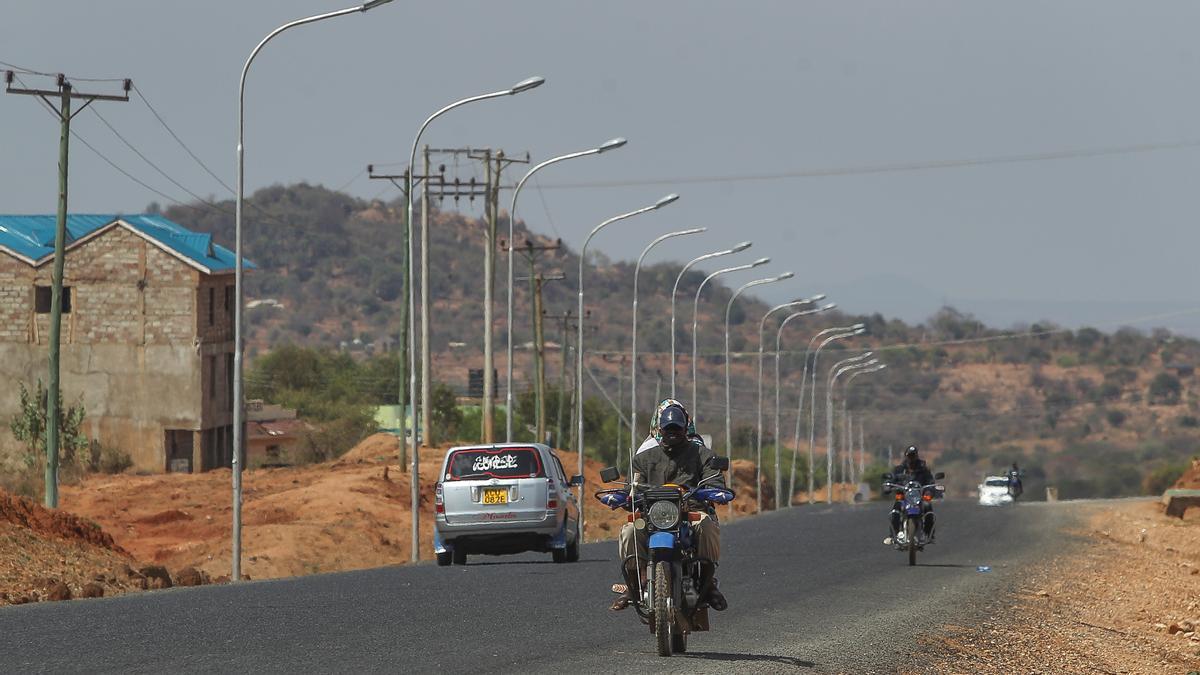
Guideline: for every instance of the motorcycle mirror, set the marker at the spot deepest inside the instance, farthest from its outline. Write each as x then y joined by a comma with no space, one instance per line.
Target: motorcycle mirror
939,475
887,477
576,480
719,463
609,474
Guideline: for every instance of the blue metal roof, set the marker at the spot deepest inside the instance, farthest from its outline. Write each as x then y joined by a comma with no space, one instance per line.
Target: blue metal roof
32,237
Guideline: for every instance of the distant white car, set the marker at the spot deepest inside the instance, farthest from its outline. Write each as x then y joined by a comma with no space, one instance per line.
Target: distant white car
993,491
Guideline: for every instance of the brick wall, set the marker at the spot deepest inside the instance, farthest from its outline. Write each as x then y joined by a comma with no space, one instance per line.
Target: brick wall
137,344
16,299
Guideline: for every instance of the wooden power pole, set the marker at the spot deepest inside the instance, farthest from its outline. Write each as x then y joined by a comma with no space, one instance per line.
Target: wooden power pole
65,93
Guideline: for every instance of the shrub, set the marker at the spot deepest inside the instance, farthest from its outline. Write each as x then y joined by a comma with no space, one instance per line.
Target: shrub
1165,389
1162,478
1115,417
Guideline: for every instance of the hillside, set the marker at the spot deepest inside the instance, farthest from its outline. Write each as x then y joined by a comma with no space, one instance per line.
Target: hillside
1094,413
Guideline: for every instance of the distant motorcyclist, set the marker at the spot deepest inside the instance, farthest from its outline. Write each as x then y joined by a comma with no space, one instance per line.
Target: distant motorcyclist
677,458
913,468
1015,488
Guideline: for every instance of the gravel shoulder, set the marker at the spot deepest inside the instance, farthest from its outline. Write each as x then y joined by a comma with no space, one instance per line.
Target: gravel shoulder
1122,596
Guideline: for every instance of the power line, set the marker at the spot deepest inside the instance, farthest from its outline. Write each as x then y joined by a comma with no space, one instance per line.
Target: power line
182,144
156,167
29,71
885,168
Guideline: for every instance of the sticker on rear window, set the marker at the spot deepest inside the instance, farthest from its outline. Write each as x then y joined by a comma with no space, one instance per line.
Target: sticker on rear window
497,463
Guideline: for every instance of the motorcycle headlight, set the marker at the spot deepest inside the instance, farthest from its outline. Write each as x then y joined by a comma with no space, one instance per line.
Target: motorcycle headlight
663,515
913,496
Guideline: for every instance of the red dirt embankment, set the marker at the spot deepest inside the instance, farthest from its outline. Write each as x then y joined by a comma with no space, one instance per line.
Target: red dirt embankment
1190,480
351,513
48,554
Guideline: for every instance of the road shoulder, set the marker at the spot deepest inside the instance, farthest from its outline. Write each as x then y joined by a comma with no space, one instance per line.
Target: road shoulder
1124,597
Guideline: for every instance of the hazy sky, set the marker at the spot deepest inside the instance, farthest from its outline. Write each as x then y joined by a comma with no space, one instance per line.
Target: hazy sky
701,90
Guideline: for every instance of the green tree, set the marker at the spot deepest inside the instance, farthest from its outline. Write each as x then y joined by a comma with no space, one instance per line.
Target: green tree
1165,389
29,427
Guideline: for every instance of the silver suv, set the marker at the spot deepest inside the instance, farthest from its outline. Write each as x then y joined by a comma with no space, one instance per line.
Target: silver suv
501,499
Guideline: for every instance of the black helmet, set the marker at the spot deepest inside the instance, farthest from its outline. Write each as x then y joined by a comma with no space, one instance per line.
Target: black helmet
673,416
911,451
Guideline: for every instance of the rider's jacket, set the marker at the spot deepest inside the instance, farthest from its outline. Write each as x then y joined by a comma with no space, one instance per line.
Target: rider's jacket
921,474
660,465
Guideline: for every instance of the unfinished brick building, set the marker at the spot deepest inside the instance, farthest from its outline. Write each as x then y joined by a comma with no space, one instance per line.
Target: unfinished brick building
147,333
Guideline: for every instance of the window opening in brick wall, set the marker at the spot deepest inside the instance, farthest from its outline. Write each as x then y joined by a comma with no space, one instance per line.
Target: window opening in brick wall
42,296
212,299
229,303
212,377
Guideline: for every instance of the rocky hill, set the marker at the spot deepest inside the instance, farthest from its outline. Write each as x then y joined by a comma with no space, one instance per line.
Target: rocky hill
1094,413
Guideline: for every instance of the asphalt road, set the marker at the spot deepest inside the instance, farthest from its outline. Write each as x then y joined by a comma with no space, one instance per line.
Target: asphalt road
810,589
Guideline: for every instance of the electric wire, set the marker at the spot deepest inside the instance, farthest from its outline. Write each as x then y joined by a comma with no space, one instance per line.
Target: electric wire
29,71
183,145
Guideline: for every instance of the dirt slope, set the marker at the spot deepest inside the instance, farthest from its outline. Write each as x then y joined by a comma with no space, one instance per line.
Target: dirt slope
50,554
348,514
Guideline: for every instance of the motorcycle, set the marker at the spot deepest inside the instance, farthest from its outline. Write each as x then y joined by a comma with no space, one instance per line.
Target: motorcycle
671,601
914,503
1015,488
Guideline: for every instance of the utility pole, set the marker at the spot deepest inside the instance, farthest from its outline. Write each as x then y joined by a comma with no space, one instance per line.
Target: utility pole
564,321
426,410
401,181
64,93
531,252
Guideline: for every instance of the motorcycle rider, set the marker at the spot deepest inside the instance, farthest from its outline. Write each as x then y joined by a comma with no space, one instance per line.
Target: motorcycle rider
912,468
678,458
1014,482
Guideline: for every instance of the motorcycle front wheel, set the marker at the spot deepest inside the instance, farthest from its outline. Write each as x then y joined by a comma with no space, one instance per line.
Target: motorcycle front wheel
910,537
662,611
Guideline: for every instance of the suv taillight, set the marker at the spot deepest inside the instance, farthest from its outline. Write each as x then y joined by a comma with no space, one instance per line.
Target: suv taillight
439,505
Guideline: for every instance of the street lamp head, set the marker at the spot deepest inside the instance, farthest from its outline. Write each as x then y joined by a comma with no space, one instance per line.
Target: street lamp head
817,298
527,84
859,326
372,4
785,275
665,200
611,144
760,261
694,230
828,307
740,247
860,331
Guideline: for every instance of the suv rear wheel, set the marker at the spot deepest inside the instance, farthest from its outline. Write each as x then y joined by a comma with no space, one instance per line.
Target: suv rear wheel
460,557
443,559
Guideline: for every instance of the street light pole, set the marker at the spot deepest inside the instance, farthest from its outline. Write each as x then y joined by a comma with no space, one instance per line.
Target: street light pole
696,322
611,144
637,269
579,339
728,309
762,325
239,350
675,289
778,340
523,85
850,331
835,372
845,415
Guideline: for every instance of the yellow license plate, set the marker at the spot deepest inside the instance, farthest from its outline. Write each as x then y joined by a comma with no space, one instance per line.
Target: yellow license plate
495,496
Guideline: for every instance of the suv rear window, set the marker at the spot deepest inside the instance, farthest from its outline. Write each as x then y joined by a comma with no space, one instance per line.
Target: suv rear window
494,463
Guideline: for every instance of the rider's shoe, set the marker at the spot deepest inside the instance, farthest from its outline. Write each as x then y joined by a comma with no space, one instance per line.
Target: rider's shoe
625,598
716,599
888,541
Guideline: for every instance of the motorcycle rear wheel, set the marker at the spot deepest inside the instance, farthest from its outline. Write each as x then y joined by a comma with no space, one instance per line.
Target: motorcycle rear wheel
662,612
